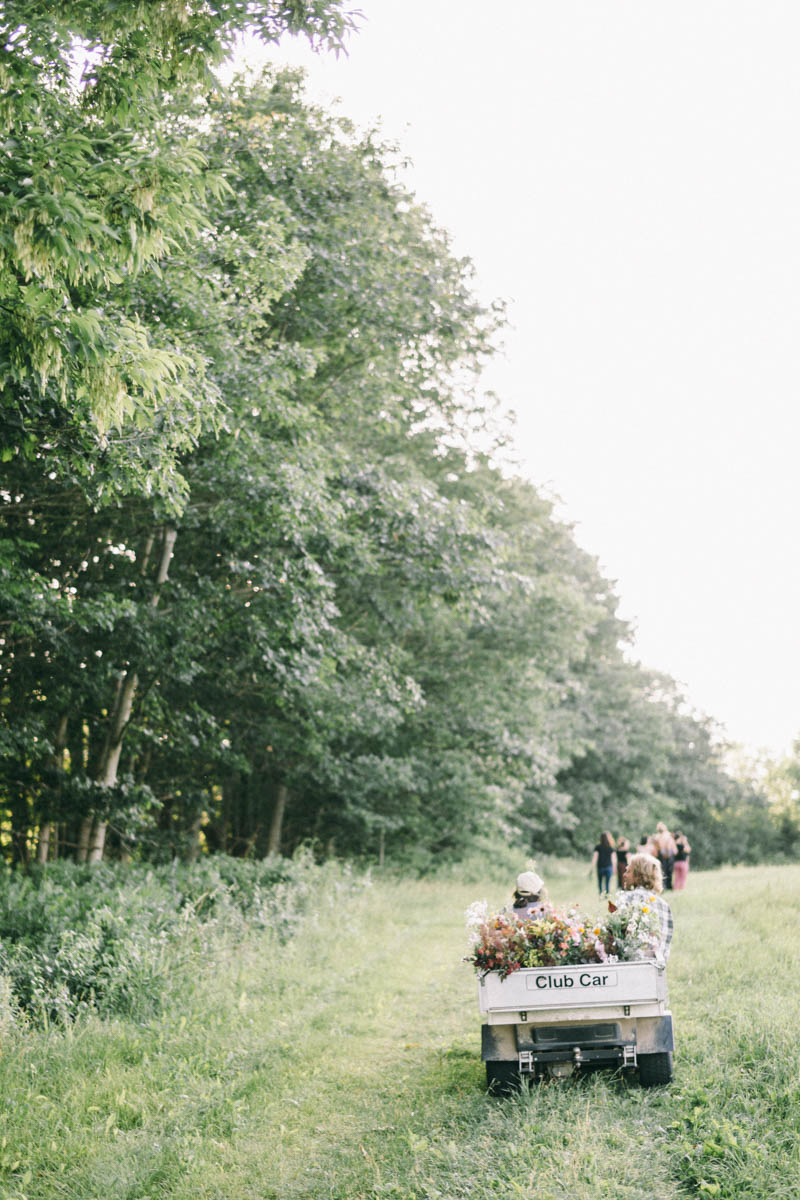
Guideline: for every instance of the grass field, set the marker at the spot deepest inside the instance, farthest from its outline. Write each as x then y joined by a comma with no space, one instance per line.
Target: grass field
347,1065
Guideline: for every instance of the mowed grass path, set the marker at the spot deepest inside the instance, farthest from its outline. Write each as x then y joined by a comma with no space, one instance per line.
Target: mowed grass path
347,1066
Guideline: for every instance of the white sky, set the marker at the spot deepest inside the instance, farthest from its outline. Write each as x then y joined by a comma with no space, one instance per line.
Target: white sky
624,174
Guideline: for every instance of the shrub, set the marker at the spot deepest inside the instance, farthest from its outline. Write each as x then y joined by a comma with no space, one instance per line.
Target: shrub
110,938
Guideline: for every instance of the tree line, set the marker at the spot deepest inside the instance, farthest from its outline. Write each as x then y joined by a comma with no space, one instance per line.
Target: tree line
263,578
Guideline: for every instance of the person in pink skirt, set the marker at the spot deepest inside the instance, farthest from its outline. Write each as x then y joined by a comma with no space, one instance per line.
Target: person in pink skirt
680,869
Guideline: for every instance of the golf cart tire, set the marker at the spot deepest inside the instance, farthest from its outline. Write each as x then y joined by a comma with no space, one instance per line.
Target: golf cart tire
655,1070
503,1078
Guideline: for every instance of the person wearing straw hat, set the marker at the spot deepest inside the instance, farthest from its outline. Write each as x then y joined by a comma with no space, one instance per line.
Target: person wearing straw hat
530,897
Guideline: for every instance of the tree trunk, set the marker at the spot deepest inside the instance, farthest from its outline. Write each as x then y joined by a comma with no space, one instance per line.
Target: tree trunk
276,825
106,774
120,715
97,841
84,833
20,829
381,846
43,848
46,828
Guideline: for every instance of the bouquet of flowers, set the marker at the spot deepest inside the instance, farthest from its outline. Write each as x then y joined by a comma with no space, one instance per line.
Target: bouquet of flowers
499,942
503,943
633,929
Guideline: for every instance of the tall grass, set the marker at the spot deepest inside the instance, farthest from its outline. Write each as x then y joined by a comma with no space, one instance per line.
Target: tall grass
345,1063
114,940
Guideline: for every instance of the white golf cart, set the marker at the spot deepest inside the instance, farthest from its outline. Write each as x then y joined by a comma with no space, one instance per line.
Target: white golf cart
550,1021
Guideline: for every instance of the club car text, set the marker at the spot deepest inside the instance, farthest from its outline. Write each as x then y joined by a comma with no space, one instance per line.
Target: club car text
586,979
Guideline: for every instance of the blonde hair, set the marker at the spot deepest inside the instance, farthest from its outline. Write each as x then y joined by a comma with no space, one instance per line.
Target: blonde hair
645,871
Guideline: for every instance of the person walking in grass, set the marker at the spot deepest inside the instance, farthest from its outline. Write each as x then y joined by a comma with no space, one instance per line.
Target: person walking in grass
604,859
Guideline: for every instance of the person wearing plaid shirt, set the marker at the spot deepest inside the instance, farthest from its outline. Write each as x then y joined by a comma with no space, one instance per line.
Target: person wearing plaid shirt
643,882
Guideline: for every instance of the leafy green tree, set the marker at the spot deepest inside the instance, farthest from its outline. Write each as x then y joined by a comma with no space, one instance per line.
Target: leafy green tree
269,494
94,191
98,393
351,368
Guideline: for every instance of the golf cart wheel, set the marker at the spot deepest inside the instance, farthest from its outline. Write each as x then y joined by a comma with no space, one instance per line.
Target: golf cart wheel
503,1078
655,1069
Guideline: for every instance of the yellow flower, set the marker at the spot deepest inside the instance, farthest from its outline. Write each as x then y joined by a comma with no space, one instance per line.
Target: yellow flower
645,908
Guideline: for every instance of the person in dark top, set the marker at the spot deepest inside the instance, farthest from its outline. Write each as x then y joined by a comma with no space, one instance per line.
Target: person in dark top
623,852
604,858
530,897
680,869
